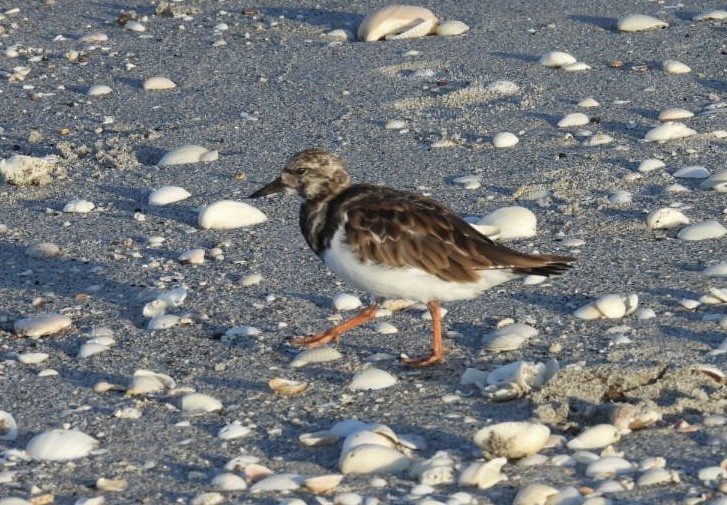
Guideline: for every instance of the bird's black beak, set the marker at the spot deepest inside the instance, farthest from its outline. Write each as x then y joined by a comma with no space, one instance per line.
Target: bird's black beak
275,186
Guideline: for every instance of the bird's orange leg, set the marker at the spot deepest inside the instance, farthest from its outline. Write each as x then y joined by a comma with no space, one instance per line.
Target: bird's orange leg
437,346
336,332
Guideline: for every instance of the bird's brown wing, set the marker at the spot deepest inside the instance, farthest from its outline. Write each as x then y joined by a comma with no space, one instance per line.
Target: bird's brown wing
401,229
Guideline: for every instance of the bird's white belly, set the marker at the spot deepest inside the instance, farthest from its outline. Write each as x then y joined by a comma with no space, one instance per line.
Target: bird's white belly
410,283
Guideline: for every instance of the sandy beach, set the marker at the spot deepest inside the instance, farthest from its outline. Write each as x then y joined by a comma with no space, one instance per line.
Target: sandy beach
256,83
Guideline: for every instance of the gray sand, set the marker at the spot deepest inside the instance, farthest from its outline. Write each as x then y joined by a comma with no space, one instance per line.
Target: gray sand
303,92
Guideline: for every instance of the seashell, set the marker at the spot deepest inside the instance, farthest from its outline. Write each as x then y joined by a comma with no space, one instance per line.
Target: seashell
556,59
229,482
595,437
343,302
715,15
371,378
650,164
718,270
609,466
703,230
714,181
99,90
90,348
207,499
474,376
657,476
692,172
640,23
60,445
504,139
574,119
154,308
196,403
148,384
174,297
168,194
512,440
79,206
395,124
385,328
503,87
534,494
8,427
163,322
711,474
666,217
32,358
396,19
588,102
188,153
483,475
321,354
94,37
134,26
373,458
229,214
43,250
111,485
318,438
620,197
277,482
158,83
323,483
451,28
578,66
338,35
287,387
508,338
48,372
599,139
513,222
674,114
348,426
437,475
668,131
468,181
40,326
676,67
420,29
611,306
192,257
233,431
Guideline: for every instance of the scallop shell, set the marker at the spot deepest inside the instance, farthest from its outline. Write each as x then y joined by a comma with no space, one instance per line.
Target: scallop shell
396,19
513,222
229,214
372,458
574,119
676,67
534,494
650,164
60,445
370,379
196,403
668,131
321,354
512,440
640,23
483,475
508,338
556,59
8,427
168,194
277,482
188,153
666,218
703,230
158,83
40,326
505,139
287,387
608,467
323,483
229,482
674,114
692,172
595,437
345,302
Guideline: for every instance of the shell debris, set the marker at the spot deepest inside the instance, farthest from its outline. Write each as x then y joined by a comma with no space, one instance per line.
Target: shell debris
640,23
188,153
402,21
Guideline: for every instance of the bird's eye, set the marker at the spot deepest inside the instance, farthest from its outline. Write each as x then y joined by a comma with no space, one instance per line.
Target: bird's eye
300,170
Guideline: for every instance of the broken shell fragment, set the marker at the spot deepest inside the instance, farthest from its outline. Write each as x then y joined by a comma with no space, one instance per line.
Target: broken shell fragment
189,153
372,458
287,387
512,440
595,437
395,21
483,475
323,483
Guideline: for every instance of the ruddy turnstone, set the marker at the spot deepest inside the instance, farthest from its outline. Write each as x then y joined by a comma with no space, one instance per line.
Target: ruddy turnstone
395,244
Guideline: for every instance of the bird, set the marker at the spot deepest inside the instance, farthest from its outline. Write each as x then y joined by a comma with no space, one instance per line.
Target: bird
395,244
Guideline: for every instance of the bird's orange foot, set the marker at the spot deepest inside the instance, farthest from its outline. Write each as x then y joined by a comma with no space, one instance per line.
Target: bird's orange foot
317,340
434,358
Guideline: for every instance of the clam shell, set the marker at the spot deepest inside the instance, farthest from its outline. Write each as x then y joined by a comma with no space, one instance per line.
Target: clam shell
345,302
451,28
277,482
534,494
229,482
596,437
420,29
640,23
656,476
607,467
650,164
612,306
692,172
79,206
287,387
365,438
318,438
676,67
513,222
484,475
666,217
508,338
393,20
703,230
40,326
196,403
157,83
8,427
512,440
574,119
370,379
556,59
321,354
371,458
504,139
229,214
168,194
60,445
323,483
674,114
189,153
715,15
668,131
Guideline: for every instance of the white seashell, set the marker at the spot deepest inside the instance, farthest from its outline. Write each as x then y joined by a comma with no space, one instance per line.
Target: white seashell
450,28
393,20
609,466
395,124
32,358
595,437
188,153
321,354
385,328
287,387
198,402
233,430
242,331
689,303
715,181
513,222
505,139
339,35
640,23
40,326
318,438
675,188
192,257
676,67
146,384
534,494
578,66
162,322
323,483
666,218
668,131
154,308
468,181
612,306
711,473
277,482
229,482
483,475
420,29
134,26
8,427
503,87
94,37
715,15
371,378
91,348
656,476
99,90
207,499
168,194
599,139
371,458
556,59
588,103
620,197
692,172
229,214
675,114
367,437
703,230
512,440
43,250
251,280
718,270
344,302
474,376
60,445
508,338
573,119
650,164
79,206
157,83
